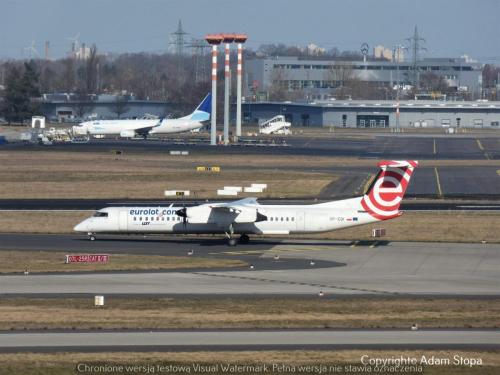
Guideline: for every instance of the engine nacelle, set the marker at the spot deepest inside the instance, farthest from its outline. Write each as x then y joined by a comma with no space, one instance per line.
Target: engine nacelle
199,215
127,134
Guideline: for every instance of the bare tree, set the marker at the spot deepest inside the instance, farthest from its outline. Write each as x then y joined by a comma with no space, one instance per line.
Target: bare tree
83,103
279,86
339,75
120,105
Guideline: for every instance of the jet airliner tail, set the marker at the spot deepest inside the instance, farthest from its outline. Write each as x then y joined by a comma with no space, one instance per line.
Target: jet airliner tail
203,111
384,196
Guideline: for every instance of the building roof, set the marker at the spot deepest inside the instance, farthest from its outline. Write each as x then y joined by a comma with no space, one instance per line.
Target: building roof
423,104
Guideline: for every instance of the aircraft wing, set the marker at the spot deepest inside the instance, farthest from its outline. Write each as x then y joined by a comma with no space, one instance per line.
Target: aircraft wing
143,131
251,201
240,211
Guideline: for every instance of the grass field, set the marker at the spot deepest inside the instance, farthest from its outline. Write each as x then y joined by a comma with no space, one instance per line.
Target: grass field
52,175
48,261
61,174
188,313
66,363
412,226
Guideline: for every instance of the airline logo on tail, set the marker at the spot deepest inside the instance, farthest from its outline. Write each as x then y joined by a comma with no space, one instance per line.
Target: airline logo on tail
383,198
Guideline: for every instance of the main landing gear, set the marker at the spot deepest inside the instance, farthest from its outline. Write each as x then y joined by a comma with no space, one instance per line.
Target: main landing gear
231,241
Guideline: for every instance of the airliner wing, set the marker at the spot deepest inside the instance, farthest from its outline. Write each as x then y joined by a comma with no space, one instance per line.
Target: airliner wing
240,211
241,202
143,131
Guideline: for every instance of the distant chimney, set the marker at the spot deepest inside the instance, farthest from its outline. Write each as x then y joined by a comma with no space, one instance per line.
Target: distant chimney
47,50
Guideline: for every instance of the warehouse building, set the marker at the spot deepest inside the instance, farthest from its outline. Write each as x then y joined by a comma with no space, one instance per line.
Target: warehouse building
379,114
318,77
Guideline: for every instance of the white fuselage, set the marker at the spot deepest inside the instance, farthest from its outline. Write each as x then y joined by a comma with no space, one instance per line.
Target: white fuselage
281,219
129,127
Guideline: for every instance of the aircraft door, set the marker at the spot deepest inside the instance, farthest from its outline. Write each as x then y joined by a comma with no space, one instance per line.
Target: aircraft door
301,221
122,220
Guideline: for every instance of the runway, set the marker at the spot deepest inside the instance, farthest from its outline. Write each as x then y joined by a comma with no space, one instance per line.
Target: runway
379,268
248,340
362,145
95,204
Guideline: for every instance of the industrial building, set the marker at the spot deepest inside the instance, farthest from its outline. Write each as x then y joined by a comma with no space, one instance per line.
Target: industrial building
67,108
379,114
318,77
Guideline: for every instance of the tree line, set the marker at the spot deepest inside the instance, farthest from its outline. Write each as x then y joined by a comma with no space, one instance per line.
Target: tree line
181,80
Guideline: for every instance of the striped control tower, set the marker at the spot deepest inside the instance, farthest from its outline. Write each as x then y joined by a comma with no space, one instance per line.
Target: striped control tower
214,40
228,39
240,39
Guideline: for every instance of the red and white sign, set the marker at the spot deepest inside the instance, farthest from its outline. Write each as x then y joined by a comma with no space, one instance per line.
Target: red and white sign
87,258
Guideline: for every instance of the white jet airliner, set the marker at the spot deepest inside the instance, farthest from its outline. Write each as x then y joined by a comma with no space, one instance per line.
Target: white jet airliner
247,216
145,127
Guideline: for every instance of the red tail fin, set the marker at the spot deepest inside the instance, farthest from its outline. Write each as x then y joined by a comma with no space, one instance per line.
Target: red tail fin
384,196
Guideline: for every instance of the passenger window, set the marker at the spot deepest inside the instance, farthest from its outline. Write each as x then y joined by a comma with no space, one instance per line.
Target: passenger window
281,218
287,218
140,218
135,219
293,219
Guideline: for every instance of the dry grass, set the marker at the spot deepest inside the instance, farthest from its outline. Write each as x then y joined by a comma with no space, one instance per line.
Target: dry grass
41,221
65,363
49,174
188,313
48,261
412,226
429,226
102,175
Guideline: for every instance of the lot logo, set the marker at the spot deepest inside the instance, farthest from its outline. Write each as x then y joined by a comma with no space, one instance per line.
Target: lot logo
383,199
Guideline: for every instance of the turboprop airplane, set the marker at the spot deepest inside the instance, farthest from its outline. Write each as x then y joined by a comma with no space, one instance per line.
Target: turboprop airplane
246,216
145,127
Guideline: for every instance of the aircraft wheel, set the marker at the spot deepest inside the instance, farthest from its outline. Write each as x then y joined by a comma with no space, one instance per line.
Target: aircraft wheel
244,238
231,242
92,238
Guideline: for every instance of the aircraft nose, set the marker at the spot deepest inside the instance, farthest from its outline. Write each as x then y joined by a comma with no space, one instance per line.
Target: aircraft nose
81,227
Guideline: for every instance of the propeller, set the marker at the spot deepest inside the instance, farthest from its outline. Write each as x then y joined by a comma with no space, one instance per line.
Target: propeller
182,213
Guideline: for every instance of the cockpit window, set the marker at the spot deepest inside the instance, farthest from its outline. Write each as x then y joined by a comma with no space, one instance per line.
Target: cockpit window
101,214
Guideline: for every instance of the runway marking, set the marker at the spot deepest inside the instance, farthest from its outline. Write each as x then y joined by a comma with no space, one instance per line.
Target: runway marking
295,283
434,148
480,145
279,249
371,176
498,172
438,183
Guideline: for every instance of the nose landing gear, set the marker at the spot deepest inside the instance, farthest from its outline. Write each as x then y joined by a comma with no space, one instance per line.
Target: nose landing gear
91,236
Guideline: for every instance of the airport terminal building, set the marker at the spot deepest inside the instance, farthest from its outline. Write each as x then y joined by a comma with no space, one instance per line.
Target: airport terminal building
379,114
319,77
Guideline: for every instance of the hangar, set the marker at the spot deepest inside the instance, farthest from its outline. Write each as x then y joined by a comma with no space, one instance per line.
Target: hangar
379,114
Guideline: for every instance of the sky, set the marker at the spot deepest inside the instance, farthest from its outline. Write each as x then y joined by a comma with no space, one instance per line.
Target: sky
451,28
